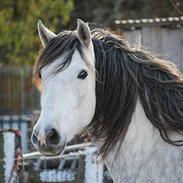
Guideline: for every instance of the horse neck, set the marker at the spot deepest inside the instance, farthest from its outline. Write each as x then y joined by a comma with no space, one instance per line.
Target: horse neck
138,144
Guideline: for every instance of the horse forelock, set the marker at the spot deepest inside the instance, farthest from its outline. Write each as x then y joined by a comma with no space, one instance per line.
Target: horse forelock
123,74
65,43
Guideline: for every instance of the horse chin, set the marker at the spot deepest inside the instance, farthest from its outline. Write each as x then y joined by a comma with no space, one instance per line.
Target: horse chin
52,151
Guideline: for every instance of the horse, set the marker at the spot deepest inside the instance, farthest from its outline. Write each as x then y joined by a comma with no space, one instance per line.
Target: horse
128,100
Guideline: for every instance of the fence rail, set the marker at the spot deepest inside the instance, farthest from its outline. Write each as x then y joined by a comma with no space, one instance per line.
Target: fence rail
78,163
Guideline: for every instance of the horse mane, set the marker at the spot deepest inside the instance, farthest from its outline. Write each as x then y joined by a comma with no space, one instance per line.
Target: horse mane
124,75
127,74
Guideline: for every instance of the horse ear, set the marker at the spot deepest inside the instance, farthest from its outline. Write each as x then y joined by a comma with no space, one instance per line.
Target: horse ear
45,34
83,33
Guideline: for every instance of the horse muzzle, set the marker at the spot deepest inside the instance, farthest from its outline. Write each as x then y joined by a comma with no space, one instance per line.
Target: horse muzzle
48,143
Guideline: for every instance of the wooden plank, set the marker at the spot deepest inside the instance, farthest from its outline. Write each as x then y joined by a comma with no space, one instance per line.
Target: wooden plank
164,41
1,158
181,50
81,170
151,39
171,45
132,37
128,36
147,38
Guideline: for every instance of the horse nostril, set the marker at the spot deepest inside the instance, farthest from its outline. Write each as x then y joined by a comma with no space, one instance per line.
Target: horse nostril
52,138
34,139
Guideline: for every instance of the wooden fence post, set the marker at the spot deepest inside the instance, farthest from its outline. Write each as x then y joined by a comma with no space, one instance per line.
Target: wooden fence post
81,170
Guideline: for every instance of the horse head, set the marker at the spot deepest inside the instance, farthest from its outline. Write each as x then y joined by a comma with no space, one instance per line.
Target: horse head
66,74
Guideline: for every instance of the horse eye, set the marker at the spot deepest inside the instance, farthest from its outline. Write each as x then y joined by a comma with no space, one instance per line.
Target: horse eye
83,74
40,75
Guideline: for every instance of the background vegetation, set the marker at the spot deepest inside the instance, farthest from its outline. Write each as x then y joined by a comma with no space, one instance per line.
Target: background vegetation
18,34
19,42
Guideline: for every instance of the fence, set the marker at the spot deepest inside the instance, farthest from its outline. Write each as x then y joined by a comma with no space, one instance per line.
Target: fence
78,164
17,94
10,156
21,122
18,98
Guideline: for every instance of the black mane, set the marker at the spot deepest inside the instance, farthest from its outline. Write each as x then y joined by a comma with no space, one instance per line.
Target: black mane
124,75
